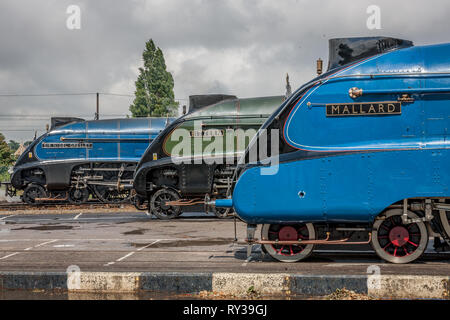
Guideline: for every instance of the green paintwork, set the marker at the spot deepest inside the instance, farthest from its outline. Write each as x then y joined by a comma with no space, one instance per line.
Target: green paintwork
249,106
230,121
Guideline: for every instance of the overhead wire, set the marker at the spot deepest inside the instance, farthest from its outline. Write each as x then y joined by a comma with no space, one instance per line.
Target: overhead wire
45,117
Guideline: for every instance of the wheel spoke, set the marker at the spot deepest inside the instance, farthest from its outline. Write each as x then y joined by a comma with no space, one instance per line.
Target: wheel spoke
406,251
416,245
391,219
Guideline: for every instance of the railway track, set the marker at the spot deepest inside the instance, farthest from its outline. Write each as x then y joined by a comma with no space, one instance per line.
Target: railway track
16,206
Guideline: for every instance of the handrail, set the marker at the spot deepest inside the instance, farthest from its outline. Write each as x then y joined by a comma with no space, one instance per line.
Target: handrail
358,92
408,90
387,74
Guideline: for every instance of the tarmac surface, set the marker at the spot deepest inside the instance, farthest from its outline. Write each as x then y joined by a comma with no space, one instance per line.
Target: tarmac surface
195,242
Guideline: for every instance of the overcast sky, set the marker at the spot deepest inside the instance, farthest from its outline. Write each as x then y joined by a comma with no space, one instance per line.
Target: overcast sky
241,47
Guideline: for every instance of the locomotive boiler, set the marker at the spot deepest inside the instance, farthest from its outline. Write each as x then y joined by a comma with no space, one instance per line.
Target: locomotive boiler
196,155
362,156
78,160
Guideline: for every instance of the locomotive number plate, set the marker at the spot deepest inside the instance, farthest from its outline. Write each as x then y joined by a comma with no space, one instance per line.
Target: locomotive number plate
363,109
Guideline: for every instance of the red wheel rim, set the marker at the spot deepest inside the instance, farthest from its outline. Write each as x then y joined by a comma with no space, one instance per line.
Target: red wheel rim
397,239
288,233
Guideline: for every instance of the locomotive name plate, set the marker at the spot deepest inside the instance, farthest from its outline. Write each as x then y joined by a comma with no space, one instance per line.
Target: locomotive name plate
207,133
59,145
363,109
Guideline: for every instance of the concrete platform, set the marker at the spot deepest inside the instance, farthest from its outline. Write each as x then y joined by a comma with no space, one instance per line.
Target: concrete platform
228,284
195,252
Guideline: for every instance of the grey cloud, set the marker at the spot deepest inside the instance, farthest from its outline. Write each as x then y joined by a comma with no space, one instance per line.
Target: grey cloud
241,47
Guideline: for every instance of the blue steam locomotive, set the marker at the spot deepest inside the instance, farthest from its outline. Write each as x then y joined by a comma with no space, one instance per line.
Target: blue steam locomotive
363,156
78,160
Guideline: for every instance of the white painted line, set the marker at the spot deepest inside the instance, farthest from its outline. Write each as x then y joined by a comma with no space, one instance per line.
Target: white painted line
71,219
76,218
30,248
131,253
43,244
126,256
106,218
40,245
64,246
140,249
4,218
9,255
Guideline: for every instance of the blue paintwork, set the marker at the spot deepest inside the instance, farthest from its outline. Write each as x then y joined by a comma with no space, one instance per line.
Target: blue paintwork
361,133
224,203
362,164
354,187
112,140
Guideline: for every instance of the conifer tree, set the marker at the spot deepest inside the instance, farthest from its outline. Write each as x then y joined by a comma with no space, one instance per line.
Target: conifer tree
154,96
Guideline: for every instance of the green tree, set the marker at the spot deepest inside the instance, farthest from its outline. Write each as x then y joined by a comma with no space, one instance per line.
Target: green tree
13,145
154,86
6,158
